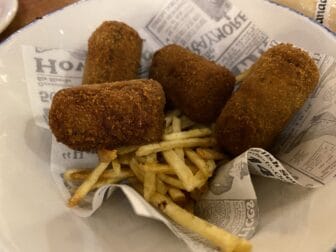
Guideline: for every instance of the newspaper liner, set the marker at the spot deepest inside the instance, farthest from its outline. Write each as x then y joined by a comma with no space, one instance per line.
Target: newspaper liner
304,152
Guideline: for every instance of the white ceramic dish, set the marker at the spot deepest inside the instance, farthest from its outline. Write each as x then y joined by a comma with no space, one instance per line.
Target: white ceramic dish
8,9
33,216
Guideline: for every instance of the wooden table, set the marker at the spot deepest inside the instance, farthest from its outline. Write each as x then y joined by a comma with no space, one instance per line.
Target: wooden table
29,10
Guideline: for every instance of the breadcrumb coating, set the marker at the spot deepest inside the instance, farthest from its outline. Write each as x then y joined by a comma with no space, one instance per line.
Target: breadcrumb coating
276,87
106,116
197,86
114,51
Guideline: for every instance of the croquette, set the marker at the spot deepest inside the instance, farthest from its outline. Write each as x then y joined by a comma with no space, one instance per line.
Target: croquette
106,116
114,51
197,86
276,87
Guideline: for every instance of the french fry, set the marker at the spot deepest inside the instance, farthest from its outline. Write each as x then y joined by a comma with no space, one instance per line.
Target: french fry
207,154
126,149
188,134
170,180
158,168
113,180
176,195
86,186
151,158
161,187
241,76
169,174
181,169
199,162
176,124
136,170
211,166
82,174
216,236
68,174
180,153
116,166
200,179
168,145
149,184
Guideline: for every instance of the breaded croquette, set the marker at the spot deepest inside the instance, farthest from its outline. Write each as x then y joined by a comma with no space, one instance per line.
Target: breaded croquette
98,116
197,86
114,51
276,87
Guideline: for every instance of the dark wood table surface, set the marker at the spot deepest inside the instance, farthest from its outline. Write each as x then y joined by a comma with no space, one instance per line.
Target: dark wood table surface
29,10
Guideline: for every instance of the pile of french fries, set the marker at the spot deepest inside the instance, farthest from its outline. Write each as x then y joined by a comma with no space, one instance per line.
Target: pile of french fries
171,175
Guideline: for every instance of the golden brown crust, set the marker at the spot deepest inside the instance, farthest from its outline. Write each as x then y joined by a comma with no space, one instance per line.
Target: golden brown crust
194,84
97,116
276,86
114,51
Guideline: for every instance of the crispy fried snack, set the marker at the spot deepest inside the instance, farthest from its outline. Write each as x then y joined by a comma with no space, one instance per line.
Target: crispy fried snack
106,116
197,86
114,52
276,86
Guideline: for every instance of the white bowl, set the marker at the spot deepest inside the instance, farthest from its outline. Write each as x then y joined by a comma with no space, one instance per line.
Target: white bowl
33,215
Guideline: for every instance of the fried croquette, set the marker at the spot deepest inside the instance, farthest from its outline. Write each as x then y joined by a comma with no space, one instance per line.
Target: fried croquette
114,51
276,87
98,116
197,86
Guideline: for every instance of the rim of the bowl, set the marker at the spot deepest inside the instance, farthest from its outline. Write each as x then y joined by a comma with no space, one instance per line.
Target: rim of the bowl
36,21
10,15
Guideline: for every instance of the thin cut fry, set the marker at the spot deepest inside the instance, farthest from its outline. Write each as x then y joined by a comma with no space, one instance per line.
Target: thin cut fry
188,134
158,168
168,145
176,124
215,235
116,167
241,76
82,174
181,169
149,184
161,187
137,171
211,166
85,187
121,176
176,194
151,158
199,162
180,153
200,179
67,175
171,181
